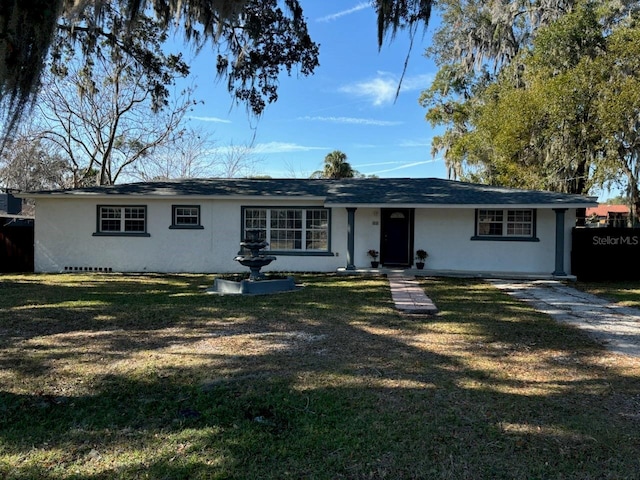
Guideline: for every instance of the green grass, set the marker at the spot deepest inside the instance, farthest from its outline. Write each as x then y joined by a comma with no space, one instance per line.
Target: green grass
124,376
626,293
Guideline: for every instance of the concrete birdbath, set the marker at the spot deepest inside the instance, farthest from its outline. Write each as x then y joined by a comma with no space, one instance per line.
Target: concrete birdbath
257,283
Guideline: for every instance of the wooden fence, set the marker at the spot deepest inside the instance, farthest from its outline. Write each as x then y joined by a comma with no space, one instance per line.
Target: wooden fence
16,246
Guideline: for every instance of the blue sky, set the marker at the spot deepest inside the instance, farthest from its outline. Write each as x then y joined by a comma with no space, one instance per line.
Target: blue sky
348,104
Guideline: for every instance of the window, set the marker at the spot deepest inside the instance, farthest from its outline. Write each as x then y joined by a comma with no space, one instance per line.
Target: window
317,230
505,224
290,229
185,216
286,230
490,222
122,220
519,223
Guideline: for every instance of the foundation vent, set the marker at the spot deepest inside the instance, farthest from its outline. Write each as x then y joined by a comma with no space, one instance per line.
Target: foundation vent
88,269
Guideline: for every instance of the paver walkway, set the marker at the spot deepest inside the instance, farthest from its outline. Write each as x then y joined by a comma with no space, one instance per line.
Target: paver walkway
616,327
409,296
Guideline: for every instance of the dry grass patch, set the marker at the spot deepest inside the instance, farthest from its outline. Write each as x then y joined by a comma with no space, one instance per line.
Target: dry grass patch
109,376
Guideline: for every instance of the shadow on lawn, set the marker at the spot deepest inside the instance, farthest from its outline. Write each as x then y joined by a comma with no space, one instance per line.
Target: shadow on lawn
330,382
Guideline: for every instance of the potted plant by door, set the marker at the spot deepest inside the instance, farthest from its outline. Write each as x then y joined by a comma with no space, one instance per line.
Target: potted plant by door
421,256
374,258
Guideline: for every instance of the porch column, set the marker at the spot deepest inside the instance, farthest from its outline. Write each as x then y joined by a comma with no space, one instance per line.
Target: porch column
351,228
559,271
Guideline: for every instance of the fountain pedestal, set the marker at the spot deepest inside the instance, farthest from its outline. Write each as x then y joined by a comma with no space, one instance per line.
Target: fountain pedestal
256,260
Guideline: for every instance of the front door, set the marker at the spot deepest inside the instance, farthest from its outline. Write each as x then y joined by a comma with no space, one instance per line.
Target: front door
397,235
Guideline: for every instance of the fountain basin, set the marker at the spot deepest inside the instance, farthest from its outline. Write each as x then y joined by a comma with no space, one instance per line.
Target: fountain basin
252,287
254,261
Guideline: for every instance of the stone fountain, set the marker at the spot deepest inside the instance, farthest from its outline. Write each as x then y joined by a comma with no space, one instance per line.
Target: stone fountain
257,283
255,260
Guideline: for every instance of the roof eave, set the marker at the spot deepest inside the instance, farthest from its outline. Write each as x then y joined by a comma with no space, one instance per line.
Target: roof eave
15,216
461,205
127,196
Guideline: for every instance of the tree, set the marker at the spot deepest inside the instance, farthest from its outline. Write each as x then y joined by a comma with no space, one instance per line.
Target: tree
534,125
534,122
27,163
477,39
335,166
186,156
449,104
480,34
234,161
193,155
107,117
254,39
618,109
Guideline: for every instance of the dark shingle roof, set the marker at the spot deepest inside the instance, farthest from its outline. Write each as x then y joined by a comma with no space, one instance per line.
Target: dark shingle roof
207,187
437,191
361,191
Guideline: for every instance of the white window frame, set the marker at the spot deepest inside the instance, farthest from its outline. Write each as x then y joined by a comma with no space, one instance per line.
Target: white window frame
517,223
125,213
177,215
302,230
512,222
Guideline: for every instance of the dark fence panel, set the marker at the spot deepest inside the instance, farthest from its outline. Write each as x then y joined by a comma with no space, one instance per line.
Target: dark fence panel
16,248
606,253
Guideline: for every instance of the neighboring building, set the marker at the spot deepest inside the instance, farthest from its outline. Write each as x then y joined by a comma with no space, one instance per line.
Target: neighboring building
311,225
9,204
608,216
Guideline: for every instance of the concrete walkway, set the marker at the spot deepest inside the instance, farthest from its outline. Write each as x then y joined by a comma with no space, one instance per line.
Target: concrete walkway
616,327
409,296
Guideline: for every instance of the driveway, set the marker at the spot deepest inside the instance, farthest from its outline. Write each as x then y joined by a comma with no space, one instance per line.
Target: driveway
614,326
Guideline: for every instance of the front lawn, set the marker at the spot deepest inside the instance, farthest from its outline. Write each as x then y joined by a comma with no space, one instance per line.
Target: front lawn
625,293
125,376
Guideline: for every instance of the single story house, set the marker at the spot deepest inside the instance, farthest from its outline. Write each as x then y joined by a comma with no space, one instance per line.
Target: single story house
318,225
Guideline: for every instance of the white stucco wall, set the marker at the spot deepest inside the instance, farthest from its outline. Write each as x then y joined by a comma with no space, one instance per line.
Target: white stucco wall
446,235
64,238
367,235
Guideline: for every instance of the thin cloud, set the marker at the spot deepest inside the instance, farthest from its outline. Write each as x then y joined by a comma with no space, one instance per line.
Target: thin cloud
414,143
264,148
283,147
365,145
406,165
377,164
211,119
335,16
353,121
382,89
